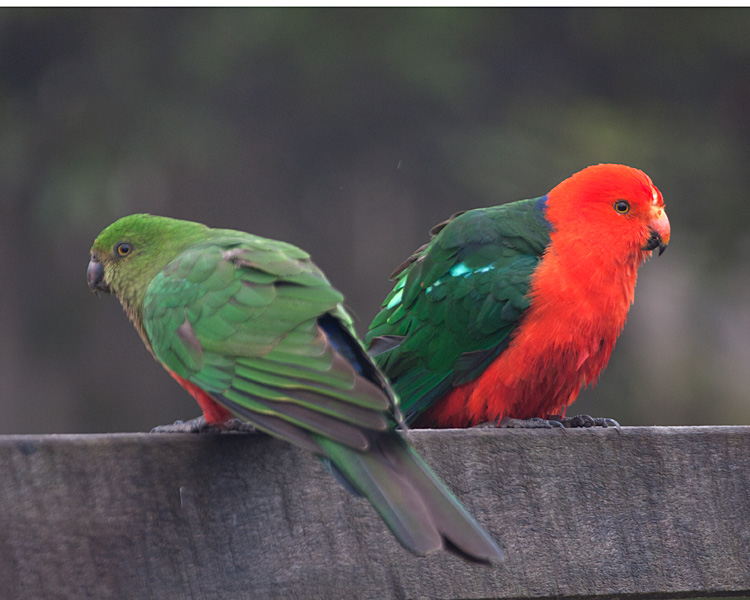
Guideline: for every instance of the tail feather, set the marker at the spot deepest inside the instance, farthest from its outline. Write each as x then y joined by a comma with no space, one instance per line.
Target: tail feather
389,492
454,522
418,508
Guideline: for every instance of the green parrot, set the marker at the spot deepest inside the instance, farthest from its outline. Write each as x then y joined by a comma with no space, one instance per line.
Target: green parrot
252,329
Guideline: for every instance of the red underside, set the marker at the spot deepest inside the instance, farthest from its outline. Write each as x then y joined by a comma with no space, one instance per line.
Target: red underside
213,412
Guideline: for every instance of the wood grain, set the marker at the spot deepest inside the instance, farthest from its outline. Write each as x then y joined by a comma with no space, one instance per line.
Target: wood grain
592,513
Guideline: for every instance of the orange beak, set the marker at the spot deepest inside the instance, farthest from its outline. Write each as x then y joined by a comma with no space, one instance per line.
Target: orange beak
659,230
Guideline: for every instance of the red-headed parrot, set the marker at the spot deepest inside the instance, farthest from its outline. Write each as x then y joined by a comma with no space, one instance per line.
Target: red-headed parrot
509,310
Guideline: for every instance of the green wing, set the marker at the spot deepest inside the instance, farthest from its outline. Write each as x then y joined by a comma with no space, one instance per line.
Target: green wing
245,319
258,327
457,300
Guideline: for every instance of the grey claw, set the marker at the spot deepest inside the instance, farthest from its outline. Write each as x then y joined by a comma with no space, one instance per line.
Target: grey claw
580,421
199,425
237,426
531,423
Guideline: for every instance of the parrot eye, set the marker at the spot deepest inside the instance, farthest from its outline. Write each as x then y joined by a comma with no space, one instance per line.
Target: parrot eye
123,248
622,207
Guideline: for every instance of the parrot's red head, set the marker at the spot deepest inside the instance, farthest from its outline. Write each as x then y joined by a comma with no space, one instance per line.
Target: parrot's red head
614,207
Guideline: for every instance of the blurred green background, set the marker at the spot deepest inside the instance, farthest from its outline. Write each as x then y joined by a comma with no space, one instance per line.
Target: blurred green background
350,132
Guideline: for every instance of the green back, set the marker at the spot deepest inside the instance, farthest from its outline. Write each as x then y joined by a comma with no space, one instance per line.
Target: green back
256,324
457,300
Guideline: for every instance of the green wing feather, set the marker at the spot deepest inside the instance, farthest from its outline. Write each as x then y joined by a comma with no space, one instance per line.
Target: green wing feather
457,300
238,316
256,325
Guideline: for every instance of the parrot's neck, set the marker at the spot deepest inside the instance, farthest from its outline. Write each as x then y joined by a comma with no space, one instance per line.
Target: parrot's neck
596,280
131,300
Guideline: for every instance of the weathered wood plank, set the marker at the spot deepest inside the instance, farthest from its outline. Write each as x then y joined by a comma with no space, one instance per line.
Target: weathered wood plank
592,513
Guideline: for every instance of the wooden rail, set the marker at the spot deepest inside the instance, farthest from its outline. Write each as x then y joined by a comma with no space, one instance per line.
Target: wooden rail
649,512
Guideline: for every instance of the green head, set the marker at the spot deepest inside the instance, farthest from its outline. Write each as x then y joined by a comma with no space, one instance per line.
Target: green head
128,254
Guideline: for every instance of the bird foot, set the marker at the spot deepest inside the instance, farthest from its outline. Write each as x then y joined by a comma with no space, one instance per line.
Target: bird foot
532,423
586,421
554,421
200,425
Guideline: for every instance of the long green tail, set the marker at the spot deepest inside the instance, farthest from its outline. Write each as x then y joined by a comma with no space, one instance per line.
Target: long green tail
419,509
